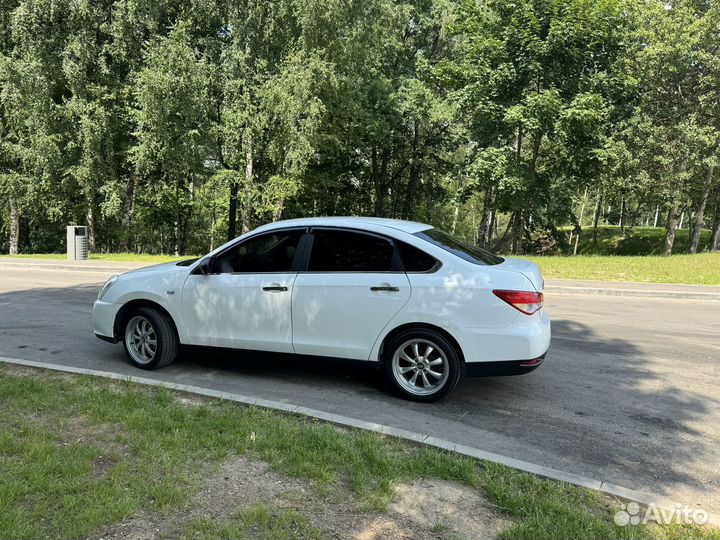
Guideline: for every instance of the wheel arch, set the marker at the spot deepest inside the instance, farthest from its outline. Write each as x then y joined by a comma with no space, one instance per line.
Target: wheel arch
420,326
127,308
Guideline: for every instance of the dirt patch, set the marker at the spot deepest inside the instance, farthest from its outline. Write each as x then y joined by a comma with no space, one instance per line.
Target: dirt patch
193,401
423,510
439,505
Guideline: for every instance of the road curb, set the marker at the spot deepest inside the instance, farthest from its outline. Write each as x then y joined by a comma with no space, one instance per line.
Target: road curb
637,293
538,470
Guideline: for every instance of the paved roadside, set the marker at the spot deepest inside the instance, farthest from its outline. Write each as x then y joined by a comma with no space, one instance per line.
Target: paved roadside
633,289
90,266
552,286
629,393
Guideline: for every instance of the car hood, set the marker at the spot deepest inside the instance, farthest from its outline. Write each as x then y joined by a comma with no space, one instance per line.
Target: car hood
157,268
527,268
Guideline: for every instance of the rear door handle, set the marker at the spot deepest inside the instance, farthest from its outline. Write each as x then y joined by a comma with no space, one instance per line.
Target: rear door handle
275,288
385,288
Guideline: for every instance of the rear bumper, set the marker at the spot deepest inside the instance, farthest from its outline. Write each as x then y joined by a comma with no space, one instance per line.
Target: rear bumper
526,338
506,367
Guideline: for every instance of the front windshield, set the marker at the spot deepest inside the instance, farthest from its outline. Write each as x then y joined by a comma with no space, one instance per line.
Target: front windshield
464,250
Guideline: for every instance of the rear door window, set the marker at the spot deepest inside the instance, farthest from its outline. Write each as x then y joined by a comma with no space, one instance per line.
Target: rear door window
349,251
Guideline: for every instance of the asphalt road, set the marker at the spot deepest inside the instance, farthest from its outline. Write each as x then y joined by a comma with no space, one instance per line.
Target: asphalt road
629,392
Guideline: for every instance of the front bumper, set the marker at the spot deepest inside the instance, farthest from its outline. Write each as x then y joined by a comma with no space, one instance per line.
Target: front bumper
104,314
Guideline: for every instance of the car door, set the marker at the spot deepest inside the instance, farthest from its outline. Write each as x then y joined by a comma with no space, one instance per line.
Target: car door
244,299
351,288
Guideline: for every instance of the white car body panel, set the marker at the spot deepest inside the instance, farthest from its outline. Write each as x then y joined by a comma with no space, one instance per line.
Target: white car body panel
233,310
336,314
160,283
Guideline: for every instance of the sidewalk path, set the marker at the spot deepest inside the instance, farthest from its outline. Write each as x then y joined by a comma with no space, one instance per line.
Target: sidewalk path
633,288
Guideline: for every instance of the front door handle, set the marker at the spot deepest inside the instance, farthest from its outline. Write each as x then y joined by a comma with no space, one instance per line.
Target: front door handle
275,288
385,288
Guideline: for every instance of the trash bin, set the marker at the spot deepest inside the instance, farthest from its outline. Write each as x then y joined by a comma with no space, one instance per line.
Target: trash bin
77,243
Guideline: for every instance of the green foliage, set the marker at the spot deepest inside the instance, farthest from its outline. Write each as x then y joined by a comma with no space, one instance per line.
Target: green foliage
162,123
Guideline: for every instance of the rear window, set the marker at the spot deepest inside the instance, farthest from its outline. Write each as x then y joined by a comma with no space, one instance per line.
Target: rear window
349,251
462,249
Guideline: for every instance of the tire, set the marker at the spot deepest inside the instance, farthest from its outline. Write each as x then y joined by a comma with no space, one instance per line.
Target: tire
440,368
151,325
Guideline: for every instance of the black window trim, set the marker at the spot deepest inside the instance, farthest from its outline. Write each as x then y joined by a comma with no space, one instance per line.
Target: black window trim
438,263
396,267
301,260
296,262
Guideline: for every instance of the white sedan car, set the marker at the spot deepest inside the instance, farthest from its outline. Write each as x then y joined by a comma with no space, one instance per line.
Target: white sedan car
422,304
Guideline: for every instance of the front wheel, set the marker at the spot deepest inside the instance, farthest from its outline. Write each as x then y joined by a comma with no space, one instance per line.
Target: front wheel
149,338
422,365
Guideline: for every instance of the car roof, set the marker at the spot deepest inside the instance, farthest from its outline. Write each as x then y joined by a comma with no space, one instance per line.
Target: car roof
410,227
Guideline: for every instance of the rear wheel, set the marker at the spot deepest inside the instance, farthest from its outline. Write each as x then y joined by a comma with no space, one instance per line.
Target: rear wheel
422,365
149,338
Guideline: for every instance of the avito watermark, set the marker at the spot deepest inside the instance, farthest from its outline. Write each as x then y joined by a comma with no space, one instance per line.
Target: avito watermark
631,514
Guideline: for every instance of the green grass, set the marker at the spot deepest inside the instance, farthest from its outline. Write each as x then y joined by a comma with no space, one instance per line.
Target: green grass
634,257
109,257
258,521
700,269
635,241
80,453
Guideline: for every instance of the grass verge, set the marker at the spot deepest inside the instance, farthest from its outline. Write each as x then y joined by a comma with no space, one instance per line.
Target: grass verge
80,453
699,269
635,240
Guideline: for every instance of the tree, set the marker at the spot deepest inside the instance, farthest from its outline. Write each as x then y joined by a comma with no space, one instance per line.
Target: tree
173,128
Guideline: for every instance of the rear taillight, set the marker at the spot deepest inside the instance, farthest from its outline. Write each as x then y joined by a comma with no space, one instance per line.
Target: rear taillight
527,302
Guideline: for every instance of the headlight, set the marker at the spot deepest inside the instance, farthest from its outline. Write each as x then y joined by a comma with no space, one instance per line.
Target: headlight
108,284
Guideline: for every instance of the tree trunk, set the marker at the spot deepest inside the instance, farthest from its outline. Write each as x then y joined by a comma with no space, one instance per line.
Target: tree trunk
596,217
249,179
379,179
91,229
456,216
517,232
412,186
129,211
14,228
700,212
670,227
232,210
582,208
657,213
580,220
622,216
715,236
485,230
414,180
176,229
